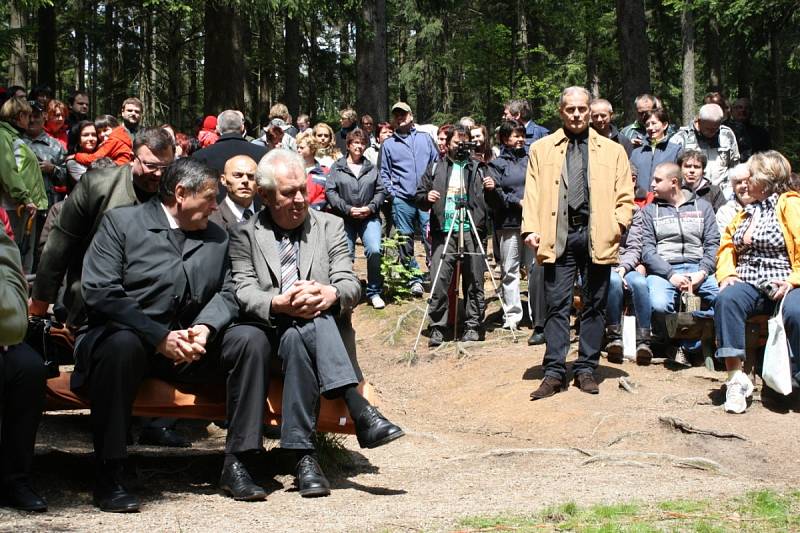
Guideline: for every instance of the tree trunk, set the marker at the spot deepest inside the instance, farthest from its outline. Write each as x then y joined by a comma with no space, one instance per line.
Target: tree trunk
634,53
687,45
112,76
17,62
47,47
371,59
344,71
713,54
311,104
776,66
224,59
266,65
175,59
291,65
521,45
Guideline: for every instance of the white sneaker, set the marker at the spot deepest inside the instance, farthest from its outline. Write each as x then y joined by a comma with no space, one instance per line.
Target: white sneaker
377,302
738,389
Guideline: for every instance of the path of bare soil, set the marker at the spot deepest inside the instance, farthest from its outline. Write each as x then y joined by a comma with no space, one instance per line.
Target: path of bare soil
475,444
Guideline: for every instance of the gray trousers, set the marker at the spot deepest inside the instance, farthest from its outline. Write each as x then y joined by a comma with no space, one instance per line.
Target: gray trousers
472,270
315,361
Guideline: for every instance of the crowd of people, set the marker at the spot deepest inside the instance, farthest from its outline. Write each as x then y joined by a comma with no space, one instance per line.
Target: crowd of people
197,258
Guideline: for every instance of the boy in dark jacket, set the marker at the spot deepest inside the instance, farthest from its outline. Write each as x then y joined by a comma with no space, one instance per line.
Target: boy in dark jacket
446,186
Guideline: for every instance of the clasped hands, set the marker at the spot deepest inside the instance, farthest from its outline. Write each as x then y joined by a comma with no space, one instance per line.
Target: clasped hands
185,345
360,212
304,299
685,282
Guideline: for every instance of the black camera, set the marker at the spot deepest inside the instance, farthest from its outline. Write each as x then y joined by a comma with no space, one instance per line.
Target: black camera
465,149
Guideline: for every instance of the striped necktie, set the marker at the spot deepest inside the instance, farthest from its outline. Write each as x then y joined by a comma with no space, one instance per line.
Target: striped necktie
288,263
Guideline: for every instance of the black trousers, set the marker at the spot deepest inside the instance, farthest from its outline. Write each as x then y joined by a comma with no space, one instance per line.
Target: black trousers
238,356
559,279
472,269
314,361
22,386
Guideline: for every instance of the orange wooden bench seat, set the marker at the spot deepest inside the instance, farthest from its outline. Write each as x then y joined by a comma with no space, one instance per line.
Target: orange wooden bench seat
158,398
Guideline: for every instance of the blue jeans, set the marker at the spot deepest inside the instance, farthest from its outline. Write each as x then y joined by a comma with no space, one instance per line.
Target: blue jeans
664,296
405,215
637,285
738,302
370,232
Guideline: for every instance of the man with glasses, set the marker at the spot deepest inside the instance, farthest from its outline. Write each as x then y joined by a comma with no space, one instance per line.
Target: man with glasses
97,192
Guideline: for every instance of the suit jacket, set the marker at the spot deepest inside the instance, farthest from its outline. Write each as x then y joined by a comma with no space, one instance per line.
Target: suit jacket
223,216
80,216
135,277
323,256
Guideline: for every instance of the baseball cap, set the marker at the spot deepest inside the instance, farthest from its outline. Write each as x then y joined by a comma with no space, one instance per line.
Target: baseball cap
403,106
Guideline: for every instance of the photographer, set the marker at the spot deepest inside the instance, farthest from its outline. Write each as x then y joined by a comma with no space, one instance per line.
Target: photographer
446,186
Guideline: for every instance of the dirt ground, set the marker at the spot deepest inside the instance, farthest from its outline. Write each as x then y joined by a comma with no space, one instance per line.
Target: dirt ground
475,445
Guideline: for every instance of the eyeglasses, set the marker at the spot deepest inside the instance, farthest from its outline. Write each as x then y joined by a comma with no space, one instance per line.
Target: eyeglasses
151,167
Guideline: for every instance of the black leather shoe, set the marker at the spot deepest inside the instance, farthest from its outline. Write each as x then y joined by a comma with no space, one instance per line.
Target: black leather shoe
471,335
311,482
436,338
373,429
587,383
109,494
548,387
167,437
20,495
236,481
536,338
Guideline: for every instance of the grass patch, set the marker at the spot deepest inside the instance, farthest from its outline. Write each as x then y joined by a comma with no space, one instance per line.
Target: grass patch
764,510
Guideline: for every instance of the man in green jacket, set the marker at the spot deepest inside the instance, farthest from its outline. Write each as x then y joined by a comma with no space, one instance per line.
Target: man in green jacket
22,191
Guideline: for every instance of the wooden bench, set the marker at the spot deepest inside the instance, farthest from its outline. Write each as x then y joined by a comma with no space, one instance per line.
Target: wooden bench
158,398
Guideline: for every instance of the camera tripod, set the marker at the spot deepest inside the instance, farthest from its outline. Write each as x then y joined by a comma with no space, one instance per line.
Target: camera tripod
462,215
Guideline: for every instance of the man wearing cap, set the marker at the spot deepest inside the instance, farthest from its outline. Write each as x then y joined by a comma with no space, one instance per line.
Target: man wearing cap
405,156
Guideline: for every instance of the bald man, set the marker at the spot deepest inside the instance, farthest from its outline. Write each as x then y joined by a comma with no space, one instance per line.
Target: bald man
239,180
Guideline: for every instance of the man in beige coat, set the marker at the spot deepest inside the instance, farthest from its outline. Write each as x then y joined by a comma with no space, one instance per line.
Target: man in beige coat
578,200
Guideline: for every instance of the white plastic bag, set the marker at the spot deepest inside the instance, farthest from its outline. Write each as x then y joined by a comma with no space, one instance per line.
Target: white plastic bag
777,369
629,337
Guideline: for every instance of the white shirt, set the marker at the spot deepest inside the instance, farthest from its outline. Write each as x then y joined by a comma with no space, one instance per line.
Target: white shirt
173,224
237,210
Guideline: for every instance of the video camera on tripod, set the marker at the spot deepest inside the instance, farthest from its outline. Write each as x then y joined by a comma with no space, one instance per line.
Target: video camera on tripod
465,149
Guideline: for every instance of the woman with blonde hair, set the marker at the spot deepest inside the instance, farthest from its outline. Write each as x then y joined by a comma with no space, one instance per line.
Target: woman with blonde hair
327,152
758,265
316,176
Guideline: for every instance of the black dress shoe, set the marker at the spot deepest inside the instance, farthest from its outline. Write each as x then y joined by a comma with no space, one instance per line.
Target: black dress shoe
548,387
20,495
311,482
373,429
115,498
536,338
167,437
236,481
587,383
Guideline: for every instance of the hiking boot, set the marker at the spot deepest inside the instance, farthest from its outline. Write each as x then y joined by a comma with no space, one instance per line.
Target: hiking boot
471,335
643,352
436,338
417,290
587,383
614,346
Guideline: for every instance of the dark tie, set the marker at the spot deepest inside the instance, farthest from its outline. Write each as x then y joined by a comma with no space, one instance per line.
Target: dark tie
247,214
577,183
288,263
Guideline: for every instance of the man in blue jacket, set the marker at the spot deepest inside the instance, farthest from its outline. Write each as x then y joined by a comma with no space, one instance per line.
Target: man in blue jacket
679,249
405,156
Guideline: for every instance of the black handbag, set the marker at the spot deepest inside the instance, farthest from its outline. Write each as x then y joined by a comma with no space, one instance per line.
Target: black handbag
53,341
684,324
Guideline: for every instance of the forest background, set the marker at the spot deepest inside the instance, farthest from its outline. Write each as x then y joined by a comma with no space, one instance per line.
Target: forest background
447,58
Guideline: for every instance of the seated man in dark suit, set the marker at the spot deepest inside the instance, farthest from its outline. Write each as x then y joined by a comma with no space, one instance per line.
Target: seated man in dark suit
157,288
239,179
292,270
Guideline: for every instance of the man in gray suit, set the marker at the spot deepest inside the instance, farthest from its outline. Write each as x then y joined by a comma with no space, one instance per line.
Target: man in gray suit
292,270
159,298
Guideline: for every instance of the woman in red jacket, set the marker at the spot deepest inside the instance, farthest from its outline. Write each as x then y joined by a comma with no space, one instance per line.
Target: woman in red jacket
115,143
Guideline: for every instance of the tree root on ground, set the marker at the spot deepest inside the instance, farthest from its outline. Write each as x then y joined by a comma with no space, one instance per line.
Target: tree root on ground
623,458
685,427
391,338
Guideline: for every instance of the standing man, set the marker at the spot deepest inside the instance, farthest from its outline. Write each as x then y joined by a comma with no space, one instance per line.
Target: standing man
239,179
602,117
78,102
750,137
231,142
520,111
578,201
404,158
131,113
159,296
